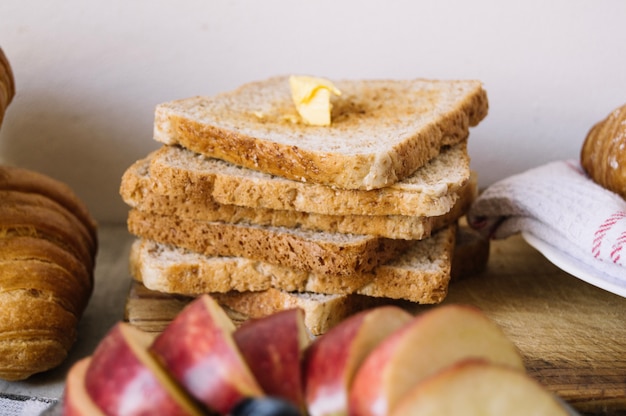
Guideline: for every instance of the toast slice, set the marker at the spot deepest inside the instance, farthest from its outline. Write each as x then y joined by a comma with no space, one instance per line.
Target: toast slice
152,311
321,252
382,130
139,190
420,275
182,174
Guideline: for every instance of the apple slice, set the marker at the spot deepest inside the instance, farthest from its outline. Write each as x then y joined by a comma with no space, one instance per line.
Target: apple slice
76,401
273,347
333,358
199,350
434,340
479,388
124,379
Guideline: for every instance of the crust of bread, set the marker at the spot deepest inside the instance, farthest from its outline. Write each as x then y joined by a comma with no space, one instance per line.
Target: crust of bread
180,173
420,275
323,253
382,130
152,310
138,191
321,312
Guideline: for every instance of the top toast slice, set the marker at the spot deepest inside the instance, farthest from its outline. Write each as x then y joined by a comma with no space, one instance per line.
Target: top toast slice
381,130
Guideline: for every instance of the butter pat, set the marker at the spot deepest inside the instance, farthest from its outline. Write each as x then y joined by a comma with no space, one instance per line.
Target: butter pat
311,96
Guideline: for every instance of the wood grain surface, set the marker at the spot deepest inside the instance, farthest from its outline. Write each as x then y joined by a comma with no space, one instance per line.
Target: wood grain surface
572,335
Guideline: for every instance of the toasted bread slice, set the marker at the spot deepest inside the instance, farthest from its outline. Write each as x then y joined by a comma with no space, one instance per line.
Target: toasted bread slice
321,252
419,275
382,130
140,191
182,174
152,311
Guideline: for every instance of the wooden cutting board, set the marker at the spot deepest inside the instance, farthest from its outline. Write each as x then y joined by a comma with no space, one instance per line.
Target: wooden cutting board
572,335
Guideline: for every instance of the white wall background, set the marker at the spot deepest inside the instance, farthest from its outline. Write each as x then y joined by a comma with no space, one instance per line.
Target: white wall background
89,73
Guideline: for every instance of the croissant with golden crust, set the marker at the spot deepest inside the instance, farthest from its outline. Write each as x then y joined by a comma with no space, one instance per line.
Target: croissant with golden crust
603,155
48,244
7,84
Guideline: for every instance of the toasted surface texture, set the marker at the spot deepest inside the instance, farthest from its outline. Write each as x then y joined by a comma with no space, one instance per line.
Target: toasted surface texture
419,275
382,130
179,173
321,252
139,190
152,311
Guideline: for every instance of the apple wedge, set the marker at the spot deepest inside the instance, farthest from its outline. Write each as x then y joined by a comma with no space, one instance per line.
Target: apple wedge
273,347
473,388
198,349
124,379
434,340
332,359
76,401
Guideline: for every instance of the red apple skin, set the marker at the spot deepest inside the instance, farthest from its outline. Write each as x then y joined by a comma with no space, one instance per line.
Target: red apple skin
333,358
76,401
273,347
121,384
370,392
199,351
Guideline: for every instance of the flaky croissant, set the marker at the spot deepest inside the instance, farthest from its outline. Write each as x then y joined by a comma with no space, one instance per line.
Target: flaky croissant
48,245
603,155
7,84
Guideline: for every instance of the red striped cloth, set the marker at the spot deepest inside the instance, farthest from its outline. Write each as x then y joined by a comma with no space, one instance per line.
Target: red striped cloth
560,205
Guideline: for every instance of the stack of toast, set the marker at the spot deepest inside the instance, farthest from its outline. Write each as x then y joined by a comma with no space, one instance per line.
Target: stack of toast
247,202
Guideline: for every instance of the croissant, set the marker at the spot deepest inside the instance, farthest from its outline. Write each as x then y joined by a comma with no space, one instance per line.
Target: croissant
48,243
7,84
603,154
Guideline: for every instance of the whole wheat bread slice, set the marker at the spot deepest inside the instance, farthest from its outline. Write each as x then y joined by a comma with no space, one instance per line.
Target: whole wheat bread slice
152,310
322,252
419,275
182,174
138,191
381,131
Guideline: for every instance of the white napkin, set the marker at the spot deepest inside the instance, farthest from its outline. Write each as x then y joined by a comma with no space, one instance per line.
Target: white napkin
11,405
560,205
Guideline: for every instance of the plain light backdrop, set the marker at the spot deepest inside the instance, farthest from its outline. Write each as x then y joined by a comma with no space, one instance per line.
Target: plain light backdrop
89,73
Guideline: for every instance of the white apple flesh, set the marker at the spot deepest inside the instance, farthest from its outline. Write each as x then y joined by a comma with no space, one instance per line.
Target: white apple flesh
76,401
333,358
199,351
124,379
434,340
479,388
